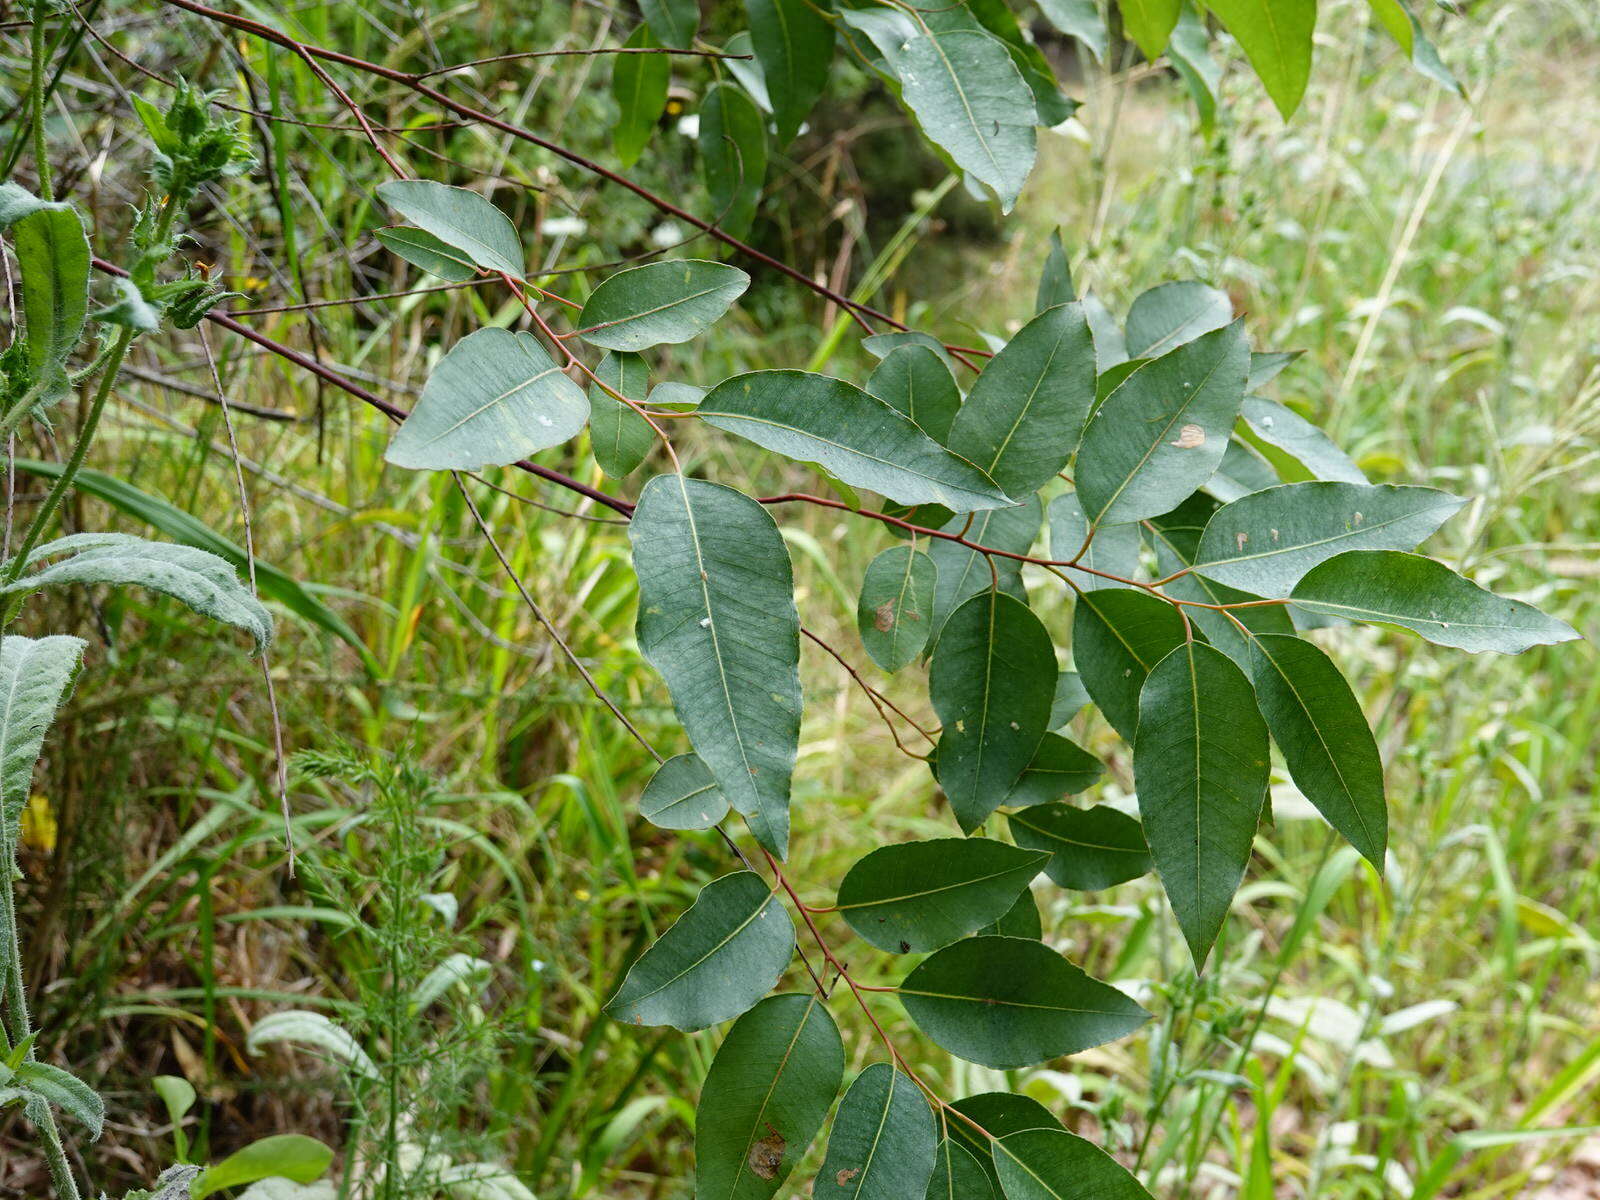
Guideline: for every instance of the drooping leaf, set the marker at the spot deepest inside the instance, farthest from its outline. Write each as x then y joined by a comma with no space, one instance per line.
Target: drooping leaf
1318,724
793,41
1300,440
914,380
61,1089
53,260
1163,432
1022,420
428,253
1090,848
733,156
1190,51
720,957
769,1088
674,22
463,971
291,1156
717,618
459,218
918,896
1055,280
1276,35
639,85
883,1141
1118,636
660,303
1052,1164
34,676
1200,766
205,583
1149,23
312,1030
1114,549
964,572
999,1114
1059,767
683,795
1393,588
991,682
1010,1002
895,612
957,1175
1167,316
494,398
1081,19
1401,24
850,433
996,17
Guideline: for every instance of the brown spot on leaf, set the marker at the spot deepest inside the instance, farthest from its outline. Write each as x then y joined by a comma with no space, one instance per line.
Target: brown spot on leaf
845,1175
766,1156
883,617
1190,437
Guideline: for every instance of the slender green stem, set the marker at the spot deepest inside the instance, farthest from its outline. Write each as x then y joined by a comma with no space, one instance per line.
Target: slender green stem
36,93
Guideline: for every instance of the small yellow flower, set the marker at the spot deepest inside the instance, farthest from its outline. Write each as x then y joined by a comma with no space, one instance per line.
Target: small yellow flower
39,825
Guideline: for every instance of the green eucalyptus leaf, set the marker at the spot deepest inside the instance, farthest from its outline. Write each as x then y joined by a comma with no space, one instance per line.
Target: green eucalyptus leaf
1401,23
916,381
1190,51
683,795
674,22
720,957
881,345
1265,366
1081,19
639,84
747,71
1090,848
1243,470
1071,696
1114,549
459,218
793,42
895,611
620,437
1052,1164
1276,35
1149,23
1171,314
996,17
660,303
1055,280
429,253
1118,636
1021,920
289,1156
964,572
1010,1002
918,896
1300,440
733,156
999,1114
957,1175
1059,767
883,1141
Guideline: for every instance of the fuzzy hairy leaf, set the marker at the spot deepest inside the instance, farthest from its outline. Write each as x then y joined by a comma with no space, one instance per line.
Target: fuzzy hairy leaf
660,303
34,676
883,1141
63,1090
53,259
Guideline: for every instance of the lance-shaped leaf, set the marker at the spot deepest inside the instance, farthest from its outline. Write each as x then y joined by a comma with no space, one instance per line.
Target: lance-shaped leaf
1081,19
34,676
720,957
495,398
53,259
1318,724
717,619
957,1175
459,218
1118,636
999,1114
883,1141
1059,767
1167,316
995,17
1114,549
747,71
1276,35
1022,420
1150,22
1401,24
1266,541
1302,441
918,896
660,303
639,84
1393,588
793,41
964,572
1052,1164
431,254
850,433
1055,279
50,1085
992,682
312,1031
674,22
1163,432
1200,766
915,380
205,583
733,156
895,612
1090,848
1190,52
769,1088
683,795
1010,1002
620,437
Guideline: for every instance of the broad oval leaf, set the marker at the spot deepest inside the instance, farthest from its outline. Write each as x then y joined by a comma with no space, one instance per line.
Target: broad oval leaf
997,1114
1011,1002
720,957
1150,22
660,303
683,795
916,381
639,84
895,611
918,896
793,41
1052,1164
1200,766
769,1089
1090,848
431,254
1167,316
1114,549
733,156
992,681
717,619
1318,724
620,437
291,1156
1163,432
34,676
1302,441
1276,35
1059,767
459,218
883,1141
881,345
494,398
851,434
957,1175
1022,420
1118,636
1265,542
1393,588
964,572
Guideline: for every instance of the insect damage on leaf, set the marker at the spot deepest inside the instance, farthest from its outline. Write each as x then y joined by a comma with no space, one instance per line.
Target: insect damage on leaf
766,1156
884,618
1190,437
845,1175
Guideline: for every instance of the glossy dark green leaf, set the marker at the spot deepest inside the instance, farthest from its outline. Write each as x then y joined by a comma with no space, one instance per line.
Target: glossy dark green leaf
620,437
957,1175
639,84
769,1089
1300,440
459,218
1022,420
1052,1164
1059,767
53,259
1276,35
915,380
733,156
850,433
1318,724
683,795
1114,549
1171,314
895,612
428,253
1118,636
1090,848
720,957
1081,19
991,682
918,896
1010,1002
793,40
1021,920
1055,280
1393,588
883,1141
1149,23
964,572
717,618
1200,766
999,1114
1163,432
674,22
1265,542
660,303
494,398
